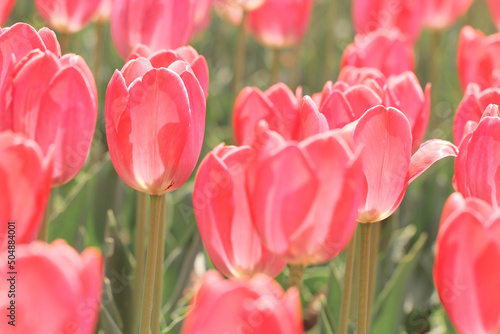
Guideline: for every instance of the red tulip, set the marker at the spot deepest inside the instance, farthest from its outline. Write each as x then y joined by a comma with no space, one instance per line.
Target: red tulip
57,289
155,120
471,109
278,106
494,7
467,262
258,305
477,58
164,58
477,173
25,176
158,24
5,9
221,207
280,24
103,12
304,196
405,15
50,99
440,14
67,16
385,50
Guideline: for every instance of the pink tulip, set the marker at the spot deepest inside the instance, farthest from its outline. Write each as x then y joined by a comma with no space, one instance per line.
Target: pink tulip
278,106
5,9
388,168
471,109
477,58
155,120
494,7
304,196
385,50
67,16
229,11
164,58
57,289
280,24
359,89
50,99
404,15
258,305
440,14
202,16
25,176
103,12
158,24
467,262
476,173
221,207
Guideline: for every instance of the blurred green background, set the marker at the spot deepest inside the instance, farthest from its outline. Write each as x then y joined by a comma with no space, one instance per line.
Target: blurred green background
98,209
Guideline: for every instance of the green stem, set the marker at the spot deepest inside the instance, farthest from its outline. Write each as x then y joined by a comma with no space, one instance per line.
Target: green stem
275,68
364,277
331,45
149,281
347,287
160,254
98,52
64,42
141,220
43,233
295,77
239,60
295,276
374,244
435,78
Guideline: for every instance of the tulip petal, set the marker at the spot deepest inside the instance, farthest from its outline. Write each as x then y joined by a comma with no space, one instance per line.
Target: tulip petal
337,109
313,122
361,98
384,135
429,152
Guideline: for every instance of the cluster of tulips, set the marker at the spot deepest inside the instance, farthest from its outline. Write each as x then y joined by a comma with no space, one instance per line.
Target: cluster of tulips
305,172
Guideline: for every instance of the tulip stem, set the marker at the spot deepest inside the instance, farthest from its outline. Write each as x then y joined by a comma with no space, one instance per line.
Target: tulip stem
160,254
149,281
275,68
64,42
347,287
295,276
43,233
374,244
239,60
98,52
364,277
141,219
435,78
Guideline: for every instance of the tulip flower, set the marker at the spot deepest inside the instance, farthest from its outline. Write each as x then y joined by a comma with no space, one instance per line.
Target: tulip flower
155,120
258,305
471,109
103,12
467,262
224,221
278,106
280,24
187,53
5,9
230,11
494,9
202,15
50,99
386,50
67,16
157,24
304,196
404,15
57,289
388,168
26,176
477,58
440,14
476,173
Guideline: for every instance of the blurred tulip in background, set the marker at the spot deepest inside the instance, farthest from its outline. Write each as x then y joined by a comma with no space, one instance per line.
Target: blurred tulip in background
67,16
